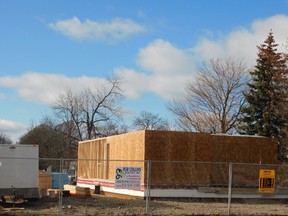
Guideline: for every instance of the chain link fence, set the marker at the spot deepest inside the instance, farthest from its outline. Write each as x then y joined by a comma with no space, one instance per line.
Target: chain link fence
91,187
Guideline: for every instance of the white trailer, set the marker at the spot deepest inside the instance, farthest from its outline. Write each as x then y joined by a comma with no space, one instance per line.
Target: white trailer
19,173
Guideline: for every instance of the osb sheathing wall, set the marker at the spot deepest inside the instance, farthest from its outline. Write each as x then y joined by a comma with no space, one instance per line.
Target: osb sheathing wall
203,147
92,157
242,149
174,146
98,158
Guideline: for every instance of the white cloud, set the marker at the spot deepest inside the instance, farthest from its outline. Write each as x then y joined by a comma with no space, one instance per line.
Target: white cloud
45,87
117,29
7,125
161,57
168,69
41,88
165,68
12,129
242,42
135,83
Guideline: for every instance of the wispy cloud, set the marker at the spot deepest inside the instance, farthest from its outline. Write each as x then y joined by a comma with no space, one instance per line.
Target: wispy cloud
107,31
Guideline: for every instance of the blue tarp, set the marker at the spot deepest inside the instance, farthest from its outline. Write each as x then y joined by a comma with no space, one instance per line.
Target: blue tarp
56,179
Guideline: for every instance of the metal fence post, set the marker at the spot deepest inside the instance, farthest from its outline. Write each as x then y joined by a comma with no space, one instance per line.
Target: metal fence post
148,187
230,187
60,193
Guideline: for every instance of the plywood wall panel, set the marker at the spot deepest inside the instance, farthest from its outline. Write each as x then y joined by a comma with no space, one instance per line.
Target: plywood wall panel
98,158
168,145
244,149
177,146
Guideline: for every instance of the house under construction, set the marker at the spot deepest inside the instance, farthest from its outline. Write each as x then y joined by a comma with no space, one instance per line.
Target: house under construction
181,161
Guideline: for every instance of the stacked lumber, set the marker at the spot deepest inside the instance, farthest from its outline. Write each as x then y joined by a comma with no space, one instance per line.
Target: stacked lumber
76,191
55,193
45,183
71,188
83,192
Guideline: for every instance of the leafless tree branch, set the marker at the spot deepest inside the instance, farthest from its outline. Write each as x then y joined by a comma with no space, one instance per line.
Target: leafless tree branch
89,108
212,101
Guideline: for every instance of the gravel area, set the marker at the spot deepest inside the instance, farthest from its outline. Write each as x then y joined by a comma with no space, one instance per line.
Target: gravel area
101,205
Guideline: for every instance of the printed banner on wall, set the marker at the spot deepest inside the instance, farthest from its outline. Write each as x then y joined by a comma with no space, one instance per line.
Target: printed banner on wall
128,177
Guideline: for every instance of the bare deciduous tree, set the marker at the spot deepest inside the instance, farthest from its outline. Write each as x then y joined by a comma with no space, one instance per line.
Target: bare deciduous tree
212,102
150,121
110,128
4,139
51,143
86,112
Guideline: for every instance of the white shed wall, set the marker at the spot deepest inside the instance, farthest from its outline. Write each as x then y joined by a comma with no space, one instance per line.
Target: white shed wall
19,166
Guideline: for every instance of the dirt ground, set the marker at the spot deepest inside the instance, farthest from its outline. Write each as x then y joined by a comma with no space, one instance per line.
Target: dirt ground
101,205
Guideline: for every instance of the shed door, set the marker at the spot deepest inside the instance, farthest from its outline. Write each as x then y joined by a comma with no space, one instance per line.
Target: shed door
102,156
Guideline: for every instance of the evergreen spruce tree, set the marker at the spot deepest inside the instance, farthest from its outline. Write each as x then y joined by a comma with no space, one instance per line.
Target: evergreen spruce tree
264,113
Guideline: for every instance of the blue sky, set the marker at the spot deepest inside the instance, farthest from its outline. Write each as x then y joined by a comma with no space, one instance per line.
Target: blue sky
155,46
